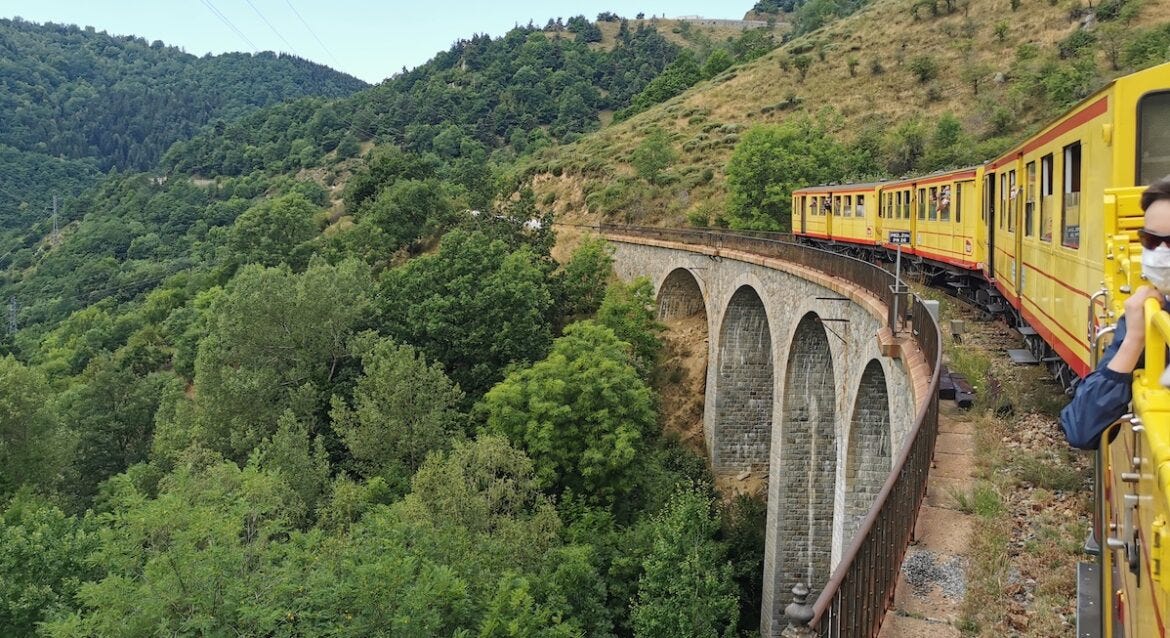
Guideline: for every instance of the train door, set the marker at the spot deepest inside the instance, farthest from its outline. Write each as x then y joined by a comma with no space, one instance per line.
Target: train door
1015,209
989,214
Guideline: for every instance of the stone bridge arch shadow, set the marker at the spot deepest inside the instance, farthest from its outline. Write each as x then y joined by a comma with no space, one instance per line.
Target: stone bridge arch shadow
744,383
807,470
868,456
682,308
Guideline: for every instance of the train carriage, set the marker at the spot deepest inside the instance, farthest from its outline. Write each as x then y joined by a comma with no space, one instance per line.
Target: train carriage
1050,227
846,213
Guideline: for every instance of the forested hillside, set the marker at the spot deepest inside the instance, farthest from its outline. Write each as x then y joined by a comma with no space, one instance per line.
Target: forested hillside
78,101
319,375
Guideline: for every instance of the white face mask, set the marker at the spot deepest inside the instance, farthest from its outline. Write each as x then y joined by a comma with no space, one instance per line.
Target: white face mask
1156,267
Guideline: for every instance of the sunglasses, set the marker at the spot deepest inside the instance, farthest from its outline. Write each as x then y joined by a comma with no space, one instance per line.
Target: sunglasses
1150,241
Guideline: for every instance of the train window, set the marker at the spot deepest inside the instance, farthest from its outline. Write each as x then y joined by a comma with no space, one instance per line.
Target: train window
959,202
848,206
1003,203
1070,222
933,204
922,203
837,205
989,198
860,210
944,203
1012,198
1153,137
1046,198
1029,198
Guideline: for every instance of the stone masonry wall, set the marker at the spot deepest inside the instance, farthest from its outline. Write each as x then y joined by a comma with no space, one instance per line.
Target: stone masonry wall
848,346
680,296
808,458
744,402
869,451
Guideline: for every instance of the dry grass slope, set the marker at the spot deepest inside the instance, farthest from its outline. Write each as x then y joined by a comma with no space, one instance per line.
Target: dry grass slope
593,177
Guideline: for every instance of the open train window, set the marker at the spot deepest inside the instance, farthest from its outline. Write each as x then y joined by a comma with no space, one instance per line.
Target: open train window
933,208
922,203
837,205
1011,197
1029,198
860,210
1070,221
1153,137
944,203
959,201
1046,198
1003,194
848,206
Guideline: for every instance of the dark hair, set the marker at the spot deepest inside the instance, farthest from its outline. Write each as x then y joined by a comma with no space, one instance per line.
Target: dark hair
1156,192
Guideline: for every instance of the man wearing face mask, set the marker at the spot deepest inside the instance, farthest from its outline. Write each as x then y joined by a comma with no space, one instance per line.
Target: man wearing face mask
1105,394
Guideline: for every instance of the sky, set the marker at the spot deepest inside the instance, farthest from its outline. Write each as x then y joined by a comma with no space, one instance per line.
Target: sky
369,39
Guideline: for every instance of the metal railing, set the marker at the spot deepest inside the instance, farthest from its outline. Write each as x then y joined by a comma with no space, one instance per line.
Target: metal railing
861,588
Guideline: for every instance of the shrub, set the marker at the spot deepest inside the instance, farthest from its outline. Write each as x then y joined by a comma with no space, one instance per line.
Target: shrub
925,68
1001,31
875,67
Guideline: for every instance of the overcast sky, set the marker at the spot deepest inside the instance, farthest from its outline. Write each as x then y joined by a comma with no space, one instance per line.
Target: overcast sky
366,38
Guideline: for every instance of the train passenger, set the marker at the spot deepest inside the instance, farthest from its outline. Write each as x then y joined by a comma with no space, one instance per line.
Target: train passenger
1104,395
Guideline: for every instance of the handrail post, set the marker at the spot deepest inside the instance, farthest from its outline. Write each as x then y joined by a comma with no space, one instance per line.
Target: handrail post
798,613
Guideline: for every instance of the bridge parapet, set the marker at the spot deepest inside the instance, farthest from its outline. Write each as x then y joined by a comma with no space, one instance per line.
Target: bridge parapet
807,362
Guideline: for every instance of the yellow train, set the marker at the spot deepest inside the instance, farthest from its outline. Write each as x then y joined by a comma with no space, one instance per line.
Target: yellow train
1045,235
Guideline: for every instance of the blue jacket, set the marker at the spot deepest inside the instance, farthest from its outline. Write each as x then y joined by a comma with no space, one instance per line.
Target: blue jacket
1101,398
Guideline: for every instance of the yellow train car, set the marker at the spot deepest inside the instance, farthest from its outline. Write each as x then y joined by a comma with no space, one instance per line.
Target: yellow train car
1046,246
939,211
1133,491
846,213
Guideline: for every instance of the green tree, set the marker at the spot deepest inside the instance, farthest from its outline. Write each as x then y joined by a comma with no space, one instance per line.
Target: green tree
687,588
269,232
769,162
111,413
476,307
802,62
629,310
583,279
718,62
403,409
276,342
32,448
654,154
43,562
582,414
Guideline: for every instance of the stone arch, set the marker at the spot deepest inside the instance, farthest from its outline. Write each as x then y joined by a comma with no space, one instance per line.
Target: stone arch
808,460
868,455
680,296
744,386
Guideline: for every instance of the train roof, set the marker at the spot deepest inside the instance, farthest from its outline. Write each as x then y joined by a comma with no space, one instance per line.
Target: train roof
839,188
937,176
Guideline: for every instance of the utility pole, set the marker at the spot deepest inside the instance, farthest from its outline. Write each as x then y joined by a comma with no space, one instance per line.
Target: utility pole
56,229
12,308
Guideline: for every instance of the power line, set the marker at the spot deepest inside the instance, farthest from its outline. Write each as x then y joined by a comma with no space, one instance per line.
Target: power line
224,19
291,48
313,33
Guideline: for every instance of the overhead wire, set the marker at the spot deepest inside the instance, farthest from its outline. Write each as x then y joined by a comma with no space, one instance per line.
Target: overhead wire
291,48
225,20
311,32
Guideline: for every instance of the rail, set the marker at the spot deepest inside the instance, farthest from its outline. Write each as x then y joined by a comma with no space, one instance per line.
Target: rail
861,588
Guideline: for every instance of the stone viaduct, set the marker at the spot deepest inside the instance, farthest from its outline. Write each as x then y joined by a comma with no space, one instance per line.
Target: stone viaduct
799,385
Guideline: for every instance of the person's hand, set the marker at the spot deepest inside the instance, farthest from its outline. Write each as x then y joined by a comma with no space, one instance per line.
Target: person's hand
1134,344
1135,314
